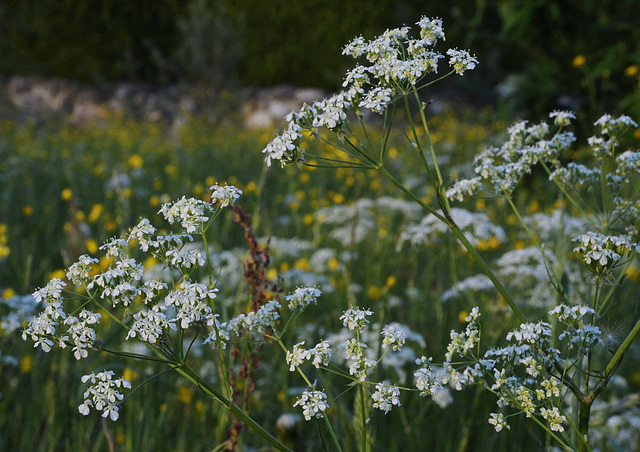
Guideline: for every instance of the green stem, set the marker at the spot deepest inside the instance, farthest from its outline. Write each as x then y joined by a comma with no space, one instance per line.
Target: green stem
463,240
417,140
538,245
426,129
615,360
622,275
194,378
485,268
408,192
573,202
583,425
363,446
223,367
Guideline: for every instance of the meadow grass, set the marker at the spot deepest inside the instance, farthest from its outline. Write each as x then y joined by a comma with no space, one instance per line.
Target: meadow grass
68,188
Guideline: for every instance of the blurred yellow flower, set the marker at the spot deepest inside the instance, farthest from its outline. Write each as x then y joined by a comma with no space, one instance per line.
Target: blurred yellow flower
171,169
57,274
92,246
4,251
27,211
333,264
129,374
66,194
251,188
393,152
338,198
391,281
135,161
94,214
284,267
8,293
462,315
154,201
374,292
185,394
579,60
302,264
480,204
307,219
120,439
632,70
210,181
26,364
304,178
127,192
79,215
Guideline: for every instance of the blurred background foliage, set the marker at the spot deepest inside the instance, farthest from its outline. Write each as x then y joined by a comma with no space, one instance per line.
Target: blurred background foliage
527,49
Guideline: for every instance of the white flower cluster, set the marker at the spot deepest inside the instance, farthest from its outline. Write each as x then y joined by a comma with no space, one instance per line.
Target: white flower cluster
303,297
224,195
118,282
385,397
614,127
313,404
498,421
393,337
461,60
505,166
190,213
477,226
191,301
82,335
103,394
78,273
355,318
395,63
42,329
318,355
151,325
601,253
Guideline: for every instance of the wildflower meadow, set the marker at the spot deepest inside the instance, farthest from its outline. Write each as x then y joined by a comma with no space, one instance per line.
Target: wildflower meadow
375,274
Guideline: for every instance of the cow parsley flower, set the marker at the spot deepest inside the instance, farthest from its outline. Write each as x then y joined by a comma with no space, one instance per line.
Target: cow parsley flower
461,60
303,297
355,318
190,213
313,403
385,397
498,421
554,418
297,356
225,196
78,273
562,118
82,335
151,325
103,394
393,337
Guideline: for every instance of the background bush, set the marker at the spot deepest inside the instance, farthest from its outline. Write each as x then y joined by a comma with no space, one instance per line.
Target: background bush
266,43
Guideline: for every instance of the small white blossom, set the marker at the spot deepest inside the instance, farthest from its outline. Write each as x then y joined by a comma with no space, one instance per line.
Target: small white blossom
385,397
393,337
225,196
303,297
498,421
461,60
313,403
355,318
103,394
